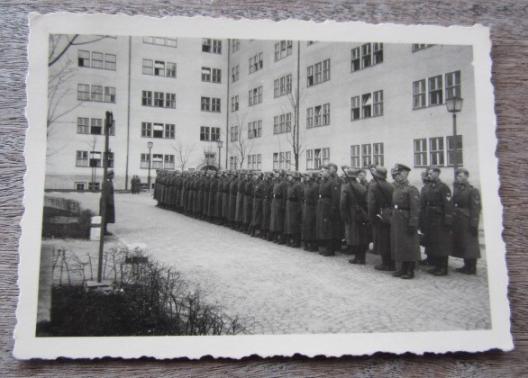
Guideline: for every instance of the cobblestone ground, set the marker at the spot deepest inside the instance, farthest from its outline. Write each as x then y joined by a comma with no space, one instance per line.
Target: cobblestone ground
278,290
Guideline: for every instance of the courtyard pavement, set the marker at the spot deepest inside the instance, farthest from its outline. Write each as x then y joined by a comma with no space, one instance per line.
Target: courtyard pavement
281,290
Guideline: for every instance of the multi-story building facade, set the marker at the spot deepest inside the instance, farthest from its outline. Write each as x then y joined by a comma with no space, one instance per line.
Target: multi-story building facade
273,104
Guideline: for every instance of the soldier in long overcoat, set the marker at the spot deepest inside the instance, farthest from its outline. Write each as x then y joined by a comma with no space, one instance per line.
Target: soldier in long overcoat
179,186
328,225
256,205
353,210
379,206
293,221
247,203
233,192
278,208
213,189
225,196
241,187
309,208
435,222
266,205
405,248
466,215
107,201
218,199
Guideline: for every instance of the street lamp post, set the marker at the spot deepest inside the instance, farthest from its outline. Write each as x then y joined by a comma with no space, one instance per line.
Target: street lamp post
149,146
219,143
454,105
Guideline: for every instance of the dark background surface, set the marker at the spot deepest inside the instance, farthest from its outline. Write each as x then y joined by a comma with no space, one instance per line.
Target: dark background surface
508,21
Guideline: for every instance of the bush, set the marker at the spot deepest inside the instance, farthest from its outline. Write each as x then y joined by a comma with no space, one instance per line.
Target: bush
148,299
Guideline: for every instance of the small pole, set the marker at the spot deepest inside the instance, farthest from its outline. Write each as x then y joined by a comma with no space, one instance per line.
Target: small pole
455,146
104,193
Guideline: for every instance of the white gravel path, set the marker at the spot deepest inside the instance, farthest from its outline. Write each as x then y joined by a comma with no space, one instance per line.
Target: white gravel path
278,289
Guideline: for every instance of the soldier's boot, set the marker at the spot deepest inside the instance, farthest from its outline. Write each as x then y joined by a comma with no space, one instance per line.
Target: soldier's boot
400,272
327,248
442,270
349,250
360,257
387,265
436,262
409,272
296,241
281,238
471,266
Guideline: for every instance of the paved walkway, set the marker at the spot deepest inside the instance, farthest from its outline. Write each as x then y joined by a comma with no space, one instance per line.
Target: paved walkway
278,289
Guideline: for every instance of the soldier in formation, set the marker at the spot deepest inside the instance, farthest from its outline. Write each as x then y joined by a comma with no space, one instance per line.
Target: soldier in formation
323,212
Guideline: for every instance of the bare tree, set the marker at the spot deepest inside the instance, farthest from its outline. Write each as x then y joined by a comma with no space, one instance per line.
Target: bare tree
242,145
61,43
183,153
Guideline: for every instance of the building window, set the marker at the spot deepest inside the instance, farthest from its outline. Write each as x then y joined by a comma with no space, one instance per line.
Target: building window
146,98
83,125
317,157
309,43
215,107
110,94
205,133
419,46
157,130
436,151
206,104
275,160
97,93
378,103
318,73
256,63
283,49
233,162
159,99
157,161
451,151
96,126
318,116
171,70
255,96
206,74
419,100
378,155
355,157
81,159
168,162
282,160
161,41
435,90
234,104
377,53
233,133
366,155
282,123
148,67
94,186
420,152
83,58
159,68
146,129
97,60
213,46
170,100
254,162
235,73
110,62
79,186
235,45
170,131
366,57
355,109
282,85
215,134
452,85
144,161
356,59
366,105
255,129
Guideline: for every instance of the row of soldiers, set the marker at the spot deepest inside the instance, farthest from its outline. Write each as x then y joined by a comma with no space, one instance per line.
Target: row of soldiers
321,210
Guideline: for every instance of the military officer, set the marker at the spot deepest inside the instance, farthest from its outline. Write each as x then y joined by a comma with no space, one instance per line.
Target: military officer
278,208
435,224
266,205
466,215
328,226
294,193
405,248
310,194
107,201
353,209
379,201
256,210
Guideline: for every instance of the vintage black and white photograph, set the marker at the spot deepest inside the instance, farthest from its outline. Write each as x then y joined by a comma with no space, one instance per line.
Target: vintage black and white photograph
225,183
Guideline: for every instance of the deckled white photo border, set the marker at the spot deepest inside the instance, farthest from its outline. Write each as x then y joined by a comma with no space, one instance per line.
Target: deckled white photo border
27,345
